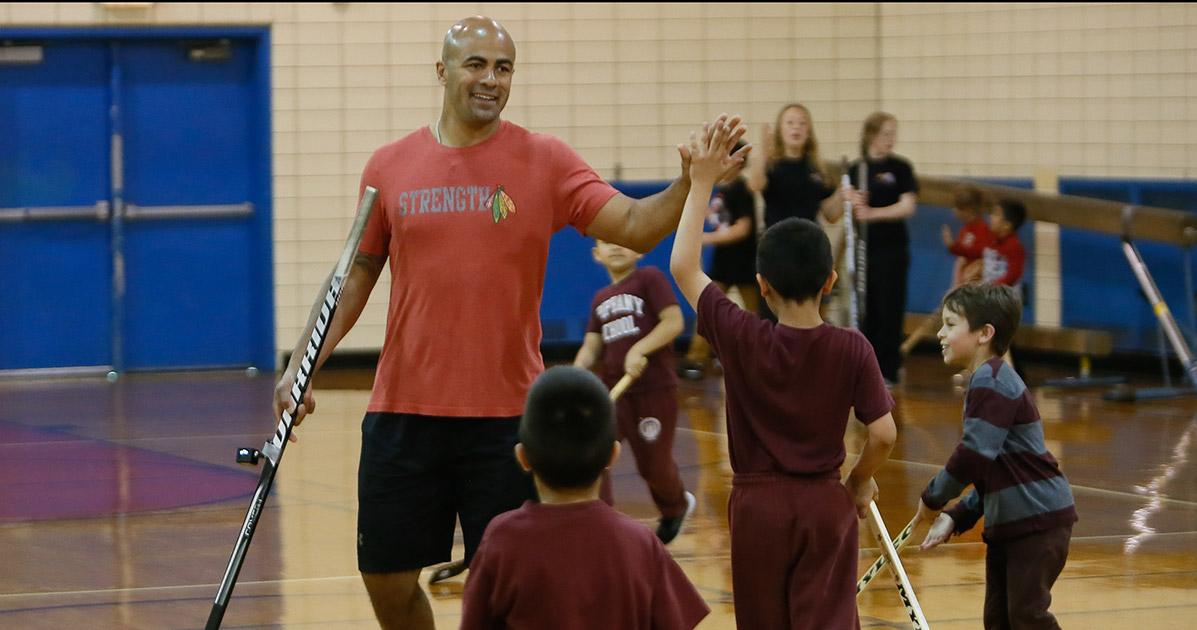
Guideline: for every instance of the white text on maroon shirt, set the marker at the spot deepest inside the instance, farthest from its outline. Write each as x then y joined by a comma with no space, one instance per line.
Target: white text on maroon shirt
623,304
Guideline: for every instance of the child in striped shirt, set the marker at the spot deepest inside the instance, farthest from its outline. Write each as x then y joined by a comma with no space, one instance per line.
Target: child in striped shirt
1017,484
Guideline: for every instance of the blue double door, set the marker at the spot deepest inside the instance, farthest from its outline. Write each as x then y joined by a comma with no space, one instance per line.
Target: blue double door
135,203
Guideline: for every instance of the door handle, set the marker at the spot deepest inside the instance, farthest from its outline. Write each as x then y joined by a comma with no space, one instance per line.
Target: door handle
98,212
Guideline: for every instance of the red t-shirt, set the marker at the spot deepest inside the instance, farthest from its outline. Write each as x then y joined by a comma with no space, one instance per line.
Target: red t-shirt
973,238
467,232
623,313
1004,260
572,567
789,390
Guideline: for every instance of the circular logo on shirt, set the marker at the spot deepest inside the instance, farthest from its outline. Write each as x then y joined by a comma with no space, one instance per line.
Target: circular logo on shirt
650,429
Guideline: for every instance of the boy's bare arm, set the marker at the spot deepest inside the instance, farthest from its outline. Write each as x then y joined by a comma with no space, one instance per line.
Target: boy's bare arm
709,158
883,432
685,262
591,350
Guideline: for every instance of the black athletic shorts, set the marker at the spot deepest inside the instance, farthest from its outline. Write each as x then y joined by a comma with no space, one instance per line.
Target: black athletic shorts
418,474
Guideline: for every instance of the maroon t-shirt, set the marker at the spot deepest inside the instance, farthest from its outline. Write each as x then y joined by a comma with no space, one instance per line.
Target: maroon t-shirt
572,567
789,389
623,313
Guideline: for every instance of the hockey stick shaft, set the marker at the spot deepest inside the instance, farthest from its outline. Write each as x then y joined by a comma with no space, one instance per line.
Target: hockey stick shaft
862,245
850,254
905,591
899,543
273,449
621,386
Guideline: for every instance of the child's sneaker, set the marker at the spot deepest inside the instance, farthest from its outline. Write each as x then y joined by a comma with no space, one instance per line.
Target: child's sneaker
690,370
669,528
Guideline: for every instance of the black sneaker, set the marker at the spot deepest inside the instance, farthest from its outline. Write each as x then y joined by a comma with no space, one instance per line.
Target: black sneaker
669,528
446,571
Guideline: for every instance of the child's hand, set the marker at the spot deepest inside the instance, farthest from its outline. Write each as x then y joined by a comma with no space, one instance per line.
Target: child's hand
939,533
710,151
946,233
860,205
862,495
634,362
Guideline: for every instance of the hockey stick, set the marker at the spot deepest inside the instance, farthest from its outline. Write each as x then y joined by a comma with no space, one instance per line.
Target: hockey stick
273,449
899,543
621,386
457,567
862,246
905,590
889,554
850,252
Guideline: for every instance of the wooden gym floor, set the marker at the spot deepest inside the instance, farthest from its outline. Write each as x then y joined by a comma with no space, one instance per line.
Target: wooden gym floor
120,503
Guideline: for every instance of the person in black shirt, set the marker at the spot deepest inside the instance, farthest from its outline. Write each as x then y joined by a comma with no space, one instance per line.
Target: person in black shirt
789,174
891,196
732,213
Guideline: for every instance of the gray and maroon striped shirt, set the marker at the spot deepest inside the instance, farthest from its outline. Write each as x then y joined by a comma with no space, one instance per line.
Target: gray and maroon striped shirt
1017,484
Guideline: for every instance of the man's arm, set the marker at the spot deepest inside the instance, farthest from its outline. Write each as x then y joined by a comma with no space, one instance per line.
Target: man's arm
363,275
591,350
640,224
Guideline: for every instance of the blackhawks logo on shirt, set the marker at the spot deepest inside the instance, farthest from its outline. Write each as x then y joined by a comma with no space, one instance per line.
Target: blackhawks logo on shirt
501,205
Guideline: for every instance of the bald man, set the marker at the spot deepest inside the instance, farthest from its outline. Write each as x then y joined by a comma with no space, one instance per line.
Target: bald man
465,212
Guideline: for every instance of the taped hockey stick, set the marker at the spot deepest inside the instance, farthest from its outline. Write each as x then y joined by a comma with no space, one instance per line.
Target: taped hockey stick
273,449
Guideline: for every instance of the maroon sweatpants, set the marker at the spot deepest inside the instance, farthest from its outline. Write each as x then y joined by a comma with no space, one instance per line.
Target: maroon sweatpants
647,421
794,552
1019,575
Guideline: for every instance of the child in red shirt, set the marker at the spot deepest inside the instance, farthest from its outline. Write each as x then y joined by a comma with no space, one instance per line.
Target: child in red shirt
633,322
973,237
1005,257
571,561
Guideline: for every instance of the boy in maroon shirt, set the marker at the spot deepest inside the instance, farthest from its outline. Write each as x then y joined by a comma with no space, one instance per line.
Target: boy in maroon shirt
790,387
633,322
571,561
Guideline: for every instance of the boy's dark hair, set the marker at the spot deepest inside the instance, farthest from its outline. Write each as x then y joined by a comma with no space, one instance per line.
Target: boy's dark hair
1014,212
995,304
568,427
968,197
795,257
